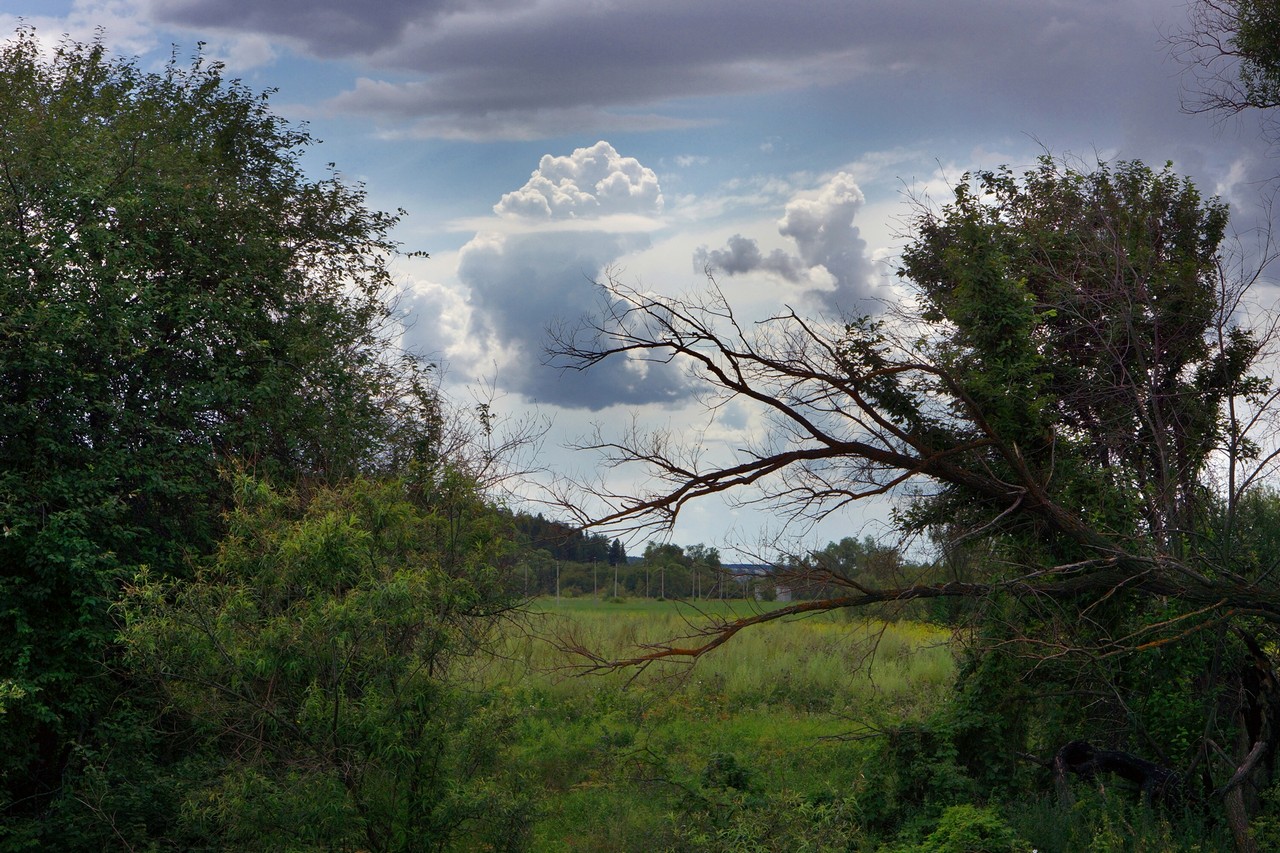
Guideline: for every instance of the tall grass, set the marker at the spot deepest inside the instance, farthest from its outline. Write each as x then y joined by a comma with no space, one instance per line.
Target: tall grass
824,662
621,755
624,760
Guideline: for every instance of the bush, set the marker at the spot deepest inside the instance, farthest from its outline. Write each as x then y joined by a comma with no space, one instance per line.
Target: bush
314,654
971,829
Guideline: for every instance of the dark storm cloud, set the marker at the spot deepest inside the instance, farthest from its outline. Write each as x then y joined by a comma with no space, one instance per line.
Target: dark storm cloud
497,67
326,28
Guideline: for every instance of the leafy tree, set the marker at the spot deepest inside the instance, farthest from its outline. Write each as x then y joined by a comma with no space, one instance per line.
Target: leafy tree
1233,47
707,578
174,293
563,541
667,567
1070,394
314,655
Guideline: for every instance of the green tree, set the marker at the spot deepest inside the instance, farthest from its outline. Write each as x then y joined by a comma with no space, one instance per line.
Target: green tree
1070,394
1233,49
315,656
175,293
666,569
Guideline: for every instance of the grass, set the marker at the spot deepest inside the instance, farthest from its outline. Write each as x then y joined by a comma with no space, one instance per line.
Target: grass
621,755
819,663
628,761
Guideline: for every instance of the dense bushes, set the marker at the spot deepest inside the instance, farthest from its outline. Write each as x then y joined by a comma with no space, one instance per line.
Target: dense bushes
311,658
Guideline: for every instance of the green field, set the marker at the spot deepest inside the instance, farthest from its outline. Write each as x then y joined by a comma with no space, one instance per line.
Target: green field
776,720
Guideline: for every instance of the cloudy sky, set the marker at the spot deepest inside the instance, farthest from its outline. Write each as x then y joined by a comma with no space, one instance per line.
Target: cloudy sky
536,143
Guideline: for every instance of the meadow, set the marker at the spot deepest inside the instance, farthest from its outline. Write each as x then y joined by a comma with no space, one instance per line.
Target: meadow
774,726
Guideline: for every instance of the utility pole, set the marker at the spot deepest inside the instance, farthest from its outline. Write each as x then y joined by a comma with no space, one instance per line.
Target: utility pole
557,583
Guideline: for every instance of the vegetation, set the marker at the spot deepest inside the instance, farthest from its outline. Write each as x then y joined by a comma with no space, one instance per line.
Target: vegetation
1069,396
257,594
760,747
1232,49
311,658
175,297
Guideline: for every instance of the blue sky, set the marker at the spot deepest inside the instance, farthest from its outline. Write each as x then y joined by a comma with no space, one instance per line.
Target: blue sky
535,143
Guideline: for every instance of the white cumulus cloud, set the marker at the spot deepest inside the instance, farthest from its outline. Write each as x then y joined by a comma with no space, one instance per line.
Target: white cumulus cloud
589,183
519,282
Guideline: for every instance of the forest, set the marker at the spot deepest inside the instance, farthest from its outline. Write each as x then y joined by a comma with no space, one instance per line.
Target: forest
265,586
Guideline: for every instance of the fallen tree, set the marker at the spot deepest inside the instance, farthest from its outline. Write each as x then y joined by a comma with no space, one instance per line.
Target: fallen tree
1072,389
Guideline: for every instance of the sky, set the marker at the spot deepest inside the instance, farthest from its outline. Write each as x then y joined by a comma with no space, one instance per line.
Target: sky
536,144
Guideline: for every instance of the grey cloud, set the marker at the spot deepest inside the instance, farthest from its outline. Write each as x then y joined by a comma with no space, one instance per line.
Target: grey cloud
522,285
324,27
523,124
743,255
478,58
825,236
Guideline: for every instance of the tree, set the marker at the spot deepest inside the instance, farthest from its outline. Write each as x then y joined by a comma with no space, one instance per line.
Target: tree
313,654
709,578
1233,49
175,294
1070,390
812,575
663,557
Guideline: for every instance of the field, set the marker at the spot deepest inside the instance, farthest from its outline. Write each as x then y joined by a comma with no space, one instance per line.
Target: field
780,716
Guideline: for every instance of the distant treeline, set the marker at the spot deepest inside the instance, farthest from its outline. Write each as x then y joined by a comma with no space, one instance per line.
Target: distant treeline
565,542
557,556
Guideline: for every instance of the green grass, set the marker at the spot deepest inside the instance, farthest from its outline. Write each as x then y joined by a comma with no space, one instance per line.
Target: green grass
620,755
824,662
623,760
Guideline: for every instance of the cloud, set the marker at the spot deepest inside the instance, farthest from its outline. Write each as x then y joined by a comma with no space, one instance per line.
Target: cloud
519,282
327,28
742,255
498,68
589,183
84,22
830,255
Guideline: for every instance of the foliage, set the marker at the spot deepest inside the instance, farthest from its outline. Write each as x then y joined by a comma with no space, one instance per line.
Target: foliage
782,822
723,770
1100,822
314,657
1079,314
1072,404
1258,41
971,829
174,294
1233,48
563,541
